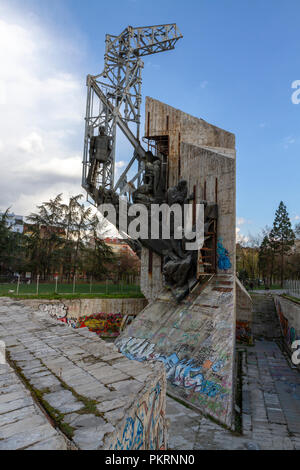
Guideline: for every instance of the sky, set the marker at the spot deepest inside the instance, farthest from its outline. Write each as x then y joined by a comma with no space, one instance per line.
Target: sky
234,67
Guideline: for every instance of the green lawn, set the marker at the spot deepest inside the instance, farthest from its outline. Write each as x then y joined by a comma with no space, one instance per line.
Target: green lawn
273,287
66,290
290,297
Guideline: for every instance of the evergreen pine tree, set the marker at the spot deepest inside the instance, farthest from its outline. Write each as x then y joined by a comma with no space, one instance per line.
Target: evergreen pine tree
282,235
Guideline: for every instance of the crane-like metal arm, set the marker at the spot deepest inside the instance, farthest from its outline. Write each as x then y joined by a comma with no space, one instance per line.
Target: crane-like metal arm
114,99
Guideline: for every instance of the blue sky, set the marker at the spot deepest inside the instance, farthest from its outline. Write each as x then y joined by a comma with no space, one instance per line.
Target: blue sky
234,68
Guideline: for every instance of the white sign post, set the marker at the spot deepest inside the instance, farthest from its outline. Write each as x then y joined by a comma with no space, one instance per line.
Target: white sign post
56,279
18,284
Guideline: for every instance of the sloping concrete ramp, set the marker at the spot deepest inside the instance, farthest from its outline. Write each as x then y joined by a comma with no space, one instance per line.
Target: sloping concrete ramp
195,340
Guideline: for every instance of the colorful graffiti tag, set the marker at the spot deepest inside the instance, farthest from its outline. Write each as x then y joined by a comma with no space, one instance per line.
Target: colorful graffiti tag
104,324
223,256
288,330
180,372
146,429
59,312
243,332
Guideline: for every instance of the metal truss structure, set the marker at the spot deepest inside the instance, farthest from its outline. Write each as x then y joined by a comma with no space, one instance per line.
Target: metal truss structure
114,99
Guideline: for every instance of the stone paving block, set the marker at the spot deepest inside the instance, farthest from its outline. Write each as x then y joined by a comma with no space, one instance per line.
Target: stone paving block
91,438
282,443
110,405
276,416
278,429
84,420
13,416
113,356
8,397
26,424
128,387
15,405
47,382
54,443
64,401
112,378
15,387
115,415
25,439
7,379
4,369
296,442
93,393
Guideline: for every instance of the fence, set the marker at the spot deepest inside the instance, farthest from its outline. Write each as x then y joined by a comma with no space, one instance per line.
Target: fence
292,288
20,286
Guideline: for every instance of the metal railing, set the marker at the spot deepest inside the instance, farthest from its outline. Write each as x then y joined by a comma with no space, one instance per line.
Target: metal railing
22,286
292,288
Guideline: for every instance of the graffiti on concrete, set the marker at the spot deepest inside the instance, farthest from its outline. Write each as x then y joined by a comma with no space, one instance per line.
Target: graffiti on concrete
181,373
104,324
55,310
194,341
146,429
59,312
288,330
243,332
224,262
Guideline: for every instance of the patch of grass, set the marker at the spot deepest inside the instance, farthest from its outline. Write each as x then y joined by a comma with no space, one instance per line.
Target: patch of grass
273,287
81,289
74,296
290,297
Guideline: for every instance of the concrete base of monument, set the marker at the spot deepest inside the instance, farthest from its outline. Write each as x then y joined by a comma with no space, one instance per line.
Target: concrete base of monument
195,340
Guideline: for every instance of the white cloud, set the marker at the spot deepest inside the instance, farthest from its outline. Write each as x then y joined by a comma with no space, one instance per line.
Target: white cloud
32,144
204,84
290,140
120,164
42,109
240,238
240,221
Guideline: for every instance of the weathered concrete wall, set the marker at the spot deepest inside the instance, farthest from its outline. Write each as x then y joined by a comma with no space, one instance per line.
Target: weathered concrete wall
243,313
195,340
289,317
214,178
79,307
202,154
162,119
144,426
151,281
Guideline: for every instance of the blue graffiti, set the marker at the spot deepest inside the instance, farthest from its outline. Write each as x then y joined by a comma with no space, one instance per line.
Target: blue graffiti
179,372
223,256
